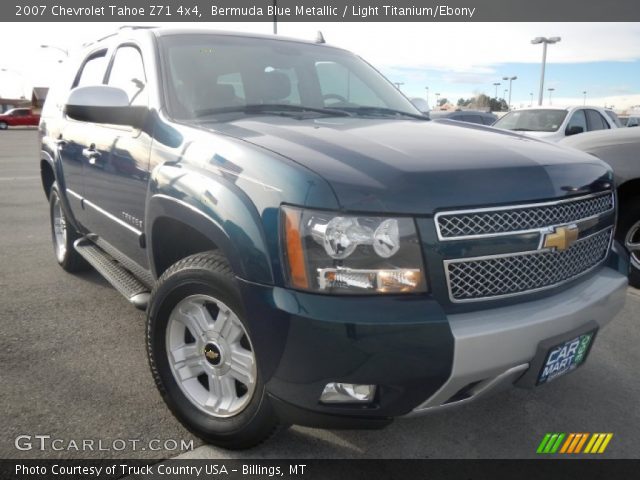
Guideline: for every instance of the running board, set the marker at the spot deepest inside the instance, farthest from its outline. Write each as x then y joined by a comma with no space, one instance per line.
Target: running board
121,279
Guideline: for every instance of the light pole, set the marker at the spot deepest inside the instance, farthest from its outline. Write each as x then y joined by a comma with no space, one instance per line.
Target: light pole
496,84
398,84
427,89
551,89
275,17
544,41
66,52
511,79
531,102
437,99
584,100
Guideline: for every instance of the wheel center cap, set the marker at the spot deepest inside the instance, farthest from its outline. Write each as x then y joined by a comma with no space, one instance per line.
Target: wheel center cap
212,354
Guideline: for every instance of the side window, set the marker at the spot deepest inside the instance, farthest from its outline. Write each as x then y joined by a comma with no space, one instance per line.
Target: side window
488,120
339,85
578,119
127,73
596,121
92,71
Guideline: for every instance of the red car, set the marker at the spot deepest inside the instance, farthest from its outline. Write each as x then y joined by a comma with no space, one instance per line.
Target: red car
18,117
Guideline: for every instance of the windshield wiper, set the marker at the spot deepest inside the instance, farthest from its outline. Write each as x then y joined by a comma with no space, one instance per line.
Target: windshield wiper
523,130
280,109
372,111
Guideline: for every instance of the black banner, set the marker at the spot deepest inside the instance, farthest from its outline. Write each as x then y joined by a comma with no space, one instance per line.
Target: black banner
320,10
319,469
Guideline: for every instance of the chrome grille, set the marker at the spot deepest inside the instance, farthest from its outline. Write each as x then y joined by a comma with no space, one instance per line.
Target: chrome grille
504,220
512,274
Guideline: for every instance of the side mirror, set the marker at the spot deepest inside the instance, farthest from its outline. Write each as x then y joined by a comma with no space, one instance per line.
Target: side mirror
421,104
574,130
104,104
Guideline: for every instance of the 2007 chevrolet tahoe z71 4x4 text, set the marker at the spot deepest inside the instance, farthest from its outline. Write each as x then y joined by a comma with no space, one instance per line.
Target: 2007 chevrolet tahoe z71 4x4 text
309,248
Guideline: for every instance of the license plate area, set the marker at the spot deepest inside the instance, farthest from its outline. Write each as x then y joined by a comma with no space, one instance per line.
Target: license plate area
565,357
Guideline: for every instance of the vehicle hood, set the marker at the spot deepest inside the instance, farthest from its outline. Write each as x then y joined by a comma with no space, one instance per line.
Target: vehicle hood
419,167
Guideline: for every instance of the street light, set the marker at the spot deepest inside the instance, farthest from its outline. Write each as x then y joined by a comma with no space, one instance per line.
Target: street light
497,84
584,101
531,102
427,89
544,41
437,99
511,79
66,52
551,90
398,84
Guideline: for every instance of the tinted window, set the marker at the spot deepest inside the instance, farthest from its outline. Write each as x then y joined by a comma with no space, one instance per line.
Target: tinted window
488,120
578,119
209,75
596,121
614,118
127,73
92,72
339,84
540,120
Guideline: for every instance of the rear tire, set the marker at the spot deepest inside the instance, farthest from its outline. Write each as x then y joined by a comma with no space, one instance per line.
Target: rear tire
63,235
201,355
628,233
3,125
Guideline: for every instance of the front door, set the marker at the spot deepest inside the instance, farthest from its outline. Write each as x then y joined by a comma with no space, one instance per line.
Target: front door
116,168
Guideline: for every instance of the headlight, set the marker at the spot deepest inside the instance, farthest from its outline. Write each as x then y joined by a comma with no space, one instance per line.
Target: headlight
331,253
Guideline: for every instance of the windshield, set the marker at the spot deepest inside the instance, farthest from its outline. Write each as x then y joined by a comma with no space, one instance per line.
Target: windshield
217,77
542,120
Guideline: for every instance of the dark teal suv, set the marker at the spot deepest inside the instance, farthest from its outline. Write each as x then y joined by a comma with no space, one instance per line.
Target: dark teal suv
308,247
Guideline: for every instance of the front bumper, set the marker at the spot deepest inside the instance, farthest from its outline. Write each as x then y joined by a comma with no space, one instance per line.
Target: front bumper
493,348
420,358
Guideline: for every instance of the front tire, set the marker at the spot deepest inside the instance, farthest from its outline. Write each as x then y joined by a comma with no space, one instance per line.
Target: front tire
63,235
201,355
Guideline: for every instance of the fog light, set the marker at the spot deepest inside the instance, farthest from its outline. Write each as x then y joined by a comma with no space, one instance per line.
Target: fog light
347,393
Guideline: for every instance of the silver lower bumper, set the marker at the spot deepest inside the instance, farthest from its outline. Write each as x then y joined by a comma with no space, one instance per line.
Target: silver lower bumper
493,348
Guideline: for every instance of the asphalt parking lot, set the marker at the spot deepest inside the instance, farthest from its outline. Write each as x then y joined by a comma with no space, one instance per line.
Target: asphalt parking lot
73,366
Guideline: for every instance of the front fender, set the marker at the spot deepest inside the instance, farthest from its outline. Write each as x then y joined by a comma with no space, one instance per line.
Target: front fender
218,211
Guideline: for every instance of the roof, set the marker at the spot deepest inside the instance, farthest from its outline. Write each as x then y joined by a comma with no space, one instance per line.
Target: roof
168,31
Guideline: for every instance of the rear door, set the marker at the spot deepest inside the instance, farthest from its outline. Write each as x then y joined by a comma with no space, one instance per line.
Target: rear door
116,177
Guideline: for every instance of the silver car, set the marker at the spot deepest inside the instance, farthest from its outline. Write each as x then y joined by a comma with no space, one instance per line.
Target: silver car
620,148
555,123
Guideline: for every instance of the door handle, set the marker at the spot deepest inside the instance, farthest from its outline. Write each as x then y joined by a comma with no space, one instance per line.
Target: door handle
91,153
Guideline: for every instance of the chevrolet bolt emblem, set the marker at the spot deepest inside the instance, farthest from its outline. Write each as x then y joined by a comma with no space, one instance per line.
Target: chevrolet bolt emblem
211,355
561,238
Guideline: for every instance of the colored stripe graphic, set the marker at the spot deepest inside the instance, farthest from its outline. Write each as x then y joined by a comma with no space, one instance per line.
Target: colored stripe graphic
598,443
543,443
573,443
581,442
565,447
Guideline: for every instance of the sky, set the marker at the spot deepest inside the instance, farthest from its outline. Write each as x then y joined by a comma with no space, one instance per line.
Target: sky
456,60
